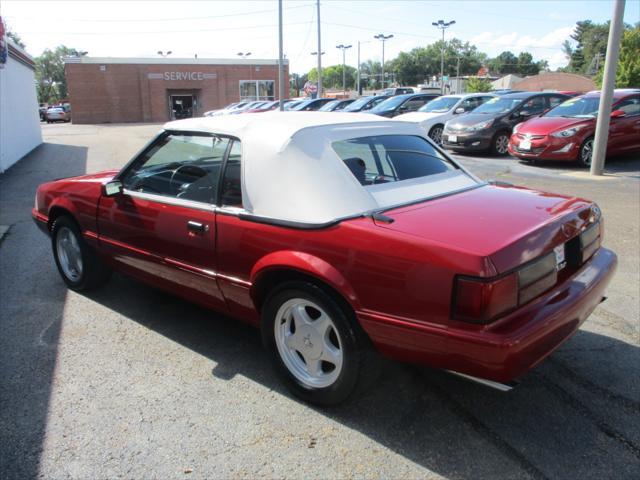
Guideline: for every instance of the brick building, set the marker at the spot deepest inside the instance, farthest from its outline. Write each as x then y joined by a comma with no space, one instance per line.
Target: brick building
112,90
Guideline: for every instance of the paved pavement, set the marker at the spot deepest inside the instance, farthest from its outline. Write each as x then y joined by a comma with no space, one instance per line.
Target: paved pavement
129,382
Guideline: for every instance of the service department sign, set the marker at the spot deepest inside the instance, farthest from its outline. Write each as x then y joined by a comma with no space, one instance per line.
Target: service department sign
198,76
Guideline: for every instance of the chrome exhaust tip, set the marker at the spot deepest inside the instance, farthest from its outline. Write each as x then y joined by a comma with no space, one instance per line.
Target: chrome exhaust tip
503,387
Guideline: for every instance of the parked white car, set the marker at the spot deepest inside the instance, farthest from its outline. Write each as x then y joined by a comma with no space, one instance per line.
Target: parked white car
436,113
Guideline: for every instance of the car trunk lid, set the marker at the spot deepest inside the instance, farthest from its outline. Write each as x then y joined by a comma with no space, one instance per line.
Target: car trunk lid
507,225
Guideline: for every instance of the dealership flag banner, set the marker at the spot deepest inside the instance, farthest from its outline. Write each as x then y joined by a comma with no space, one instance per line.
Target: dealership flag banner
4,49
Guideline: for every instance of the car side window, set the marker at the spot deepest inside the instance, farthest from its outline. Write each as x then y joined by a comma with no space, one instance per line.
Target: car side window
534,106
231,192
414,104
471,103
179,166
630,106
555,101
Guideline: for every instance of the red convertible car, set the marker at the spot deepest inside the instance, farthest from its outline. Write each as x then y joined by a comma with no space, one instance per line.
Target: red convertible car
338,236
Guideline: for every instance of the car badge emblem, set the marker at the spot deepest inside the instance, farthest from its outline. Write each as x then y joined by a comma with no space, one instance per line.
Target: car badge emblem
595,213
307,341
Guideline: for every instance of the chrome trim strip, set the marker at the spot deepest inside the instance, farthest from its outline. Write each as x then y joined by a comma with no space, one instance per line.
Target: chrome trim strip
503,387
179,202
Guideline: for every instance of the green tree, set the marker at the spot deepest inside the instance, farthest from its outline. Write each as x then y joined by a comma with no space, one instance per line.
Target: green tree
628,68
503,64
16,39
50,78
477,84
332,76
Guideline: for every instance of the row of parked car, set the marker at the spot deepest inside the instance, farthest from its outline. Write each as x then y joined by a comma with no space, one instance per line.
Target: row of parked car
528,125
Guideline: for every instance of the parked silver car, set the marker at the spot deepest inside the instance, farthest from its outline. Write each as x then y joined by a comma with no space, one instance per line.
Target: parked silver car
58,114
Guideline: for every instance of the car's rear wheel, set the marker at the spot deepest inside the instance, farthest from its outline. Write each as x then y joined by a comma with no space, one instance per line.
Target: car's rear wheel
435,134
500,144
315,344
79,265
586,152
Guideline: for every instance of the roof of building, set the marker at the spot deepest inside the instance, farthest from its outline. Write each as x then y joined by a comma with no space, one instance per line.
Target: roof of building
171,61
291,172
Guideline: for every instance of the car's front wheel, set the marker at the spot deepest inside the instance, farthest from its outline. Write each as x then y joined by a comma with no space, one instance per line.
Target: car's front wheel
500,144
315,344
79,265
586,152
435,134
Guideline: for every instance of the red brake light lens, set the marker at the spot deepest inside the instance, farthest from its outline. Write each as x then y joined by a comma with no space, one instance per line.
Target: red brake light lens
481,301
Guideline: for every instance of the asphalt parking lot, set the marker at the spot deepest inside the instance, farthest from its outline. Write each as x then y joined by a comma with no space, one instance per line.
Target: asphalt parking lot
128,382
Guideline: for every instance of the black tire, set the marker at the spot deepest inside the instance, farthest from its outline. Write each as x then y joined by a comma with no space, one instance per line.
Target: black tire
435,134
94,271
360,364
585,153
498,144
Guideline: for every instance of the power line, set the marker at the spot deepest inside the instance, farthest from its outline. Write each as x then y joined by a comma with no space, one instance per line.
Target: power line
151,20
116,33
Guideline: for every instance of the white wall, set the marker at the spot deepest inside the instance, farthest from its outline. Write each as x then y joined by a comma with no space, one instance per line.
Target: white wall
19,119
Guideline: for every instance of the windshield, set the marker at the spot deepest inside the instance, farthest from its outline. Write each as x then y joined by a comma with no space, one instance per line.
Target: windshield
302,105
440,105
327,107
499,105
390,103
579,107
358,104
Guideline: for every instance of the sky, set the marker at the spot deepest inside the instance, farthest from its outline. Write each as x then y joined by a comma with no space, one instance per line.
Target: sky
221,29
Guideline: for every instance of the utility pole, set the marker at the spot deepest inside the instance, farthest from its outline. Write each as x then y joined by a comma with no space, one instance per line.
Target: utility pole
319,54
442,25
280,59
383,38
458,76
606,94
344,77
359,87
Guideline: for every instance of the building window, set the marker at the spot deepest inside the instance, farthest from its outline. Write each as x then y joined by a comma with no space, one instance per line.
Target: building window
257,90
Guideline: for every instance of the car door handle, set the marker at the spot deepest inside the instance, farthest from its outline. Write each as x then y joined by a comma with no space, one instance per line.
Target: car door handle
197,227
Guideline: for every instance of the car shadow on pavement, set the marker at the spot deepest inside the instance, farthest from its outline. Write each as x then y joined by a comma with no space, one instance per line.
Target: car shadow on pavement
571,408
31,310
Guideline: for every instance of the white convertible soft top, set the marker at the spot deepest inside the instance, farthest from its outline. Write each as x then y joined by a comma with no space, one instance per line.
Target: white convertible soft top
291,173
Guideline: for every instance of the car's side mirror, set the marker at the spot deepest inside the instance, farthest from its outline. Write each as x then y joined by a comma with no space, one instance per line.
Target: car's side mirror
524,113
459,110
618,114
113,188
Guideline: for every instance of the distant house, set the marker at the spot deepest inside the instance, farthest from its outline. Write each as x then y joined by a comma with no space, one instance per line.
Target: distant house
19,118
507,82
556,81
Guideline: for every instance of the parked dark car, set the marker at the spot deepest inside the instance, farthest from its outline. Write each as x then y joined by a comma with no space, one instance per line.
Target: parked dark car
402,104
396,91
365,103
489,126
311,104
336,105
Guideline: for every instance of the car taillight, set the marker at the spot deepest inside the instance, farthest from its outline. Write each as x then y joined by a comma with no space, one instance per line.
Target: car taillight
581,248
480,300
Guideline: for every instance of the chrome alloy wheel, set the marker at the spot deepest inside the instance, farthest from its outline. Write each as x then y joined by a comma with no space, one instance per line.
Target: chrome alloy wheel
308,343
586,152
69,254
502,144
436,135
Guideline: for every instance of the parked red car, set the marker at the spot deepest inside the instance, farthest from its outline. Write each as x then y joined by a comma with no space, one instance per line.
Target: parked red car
338,235
566,132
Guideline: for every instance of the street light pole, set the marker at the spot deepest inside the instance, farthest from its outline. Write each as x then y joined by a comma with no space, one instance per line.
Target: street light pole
442,25
344,77
383,38
319,50
280,60
606,94
164,55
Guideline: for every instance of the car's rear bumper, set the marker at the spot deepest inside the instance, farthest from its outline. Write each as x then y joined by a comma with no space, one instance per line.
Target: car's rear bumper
508,348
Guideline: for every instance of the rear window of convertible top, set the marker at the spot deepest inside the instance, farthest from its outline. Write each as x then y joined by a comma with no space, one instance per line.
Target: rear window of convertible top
390,158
